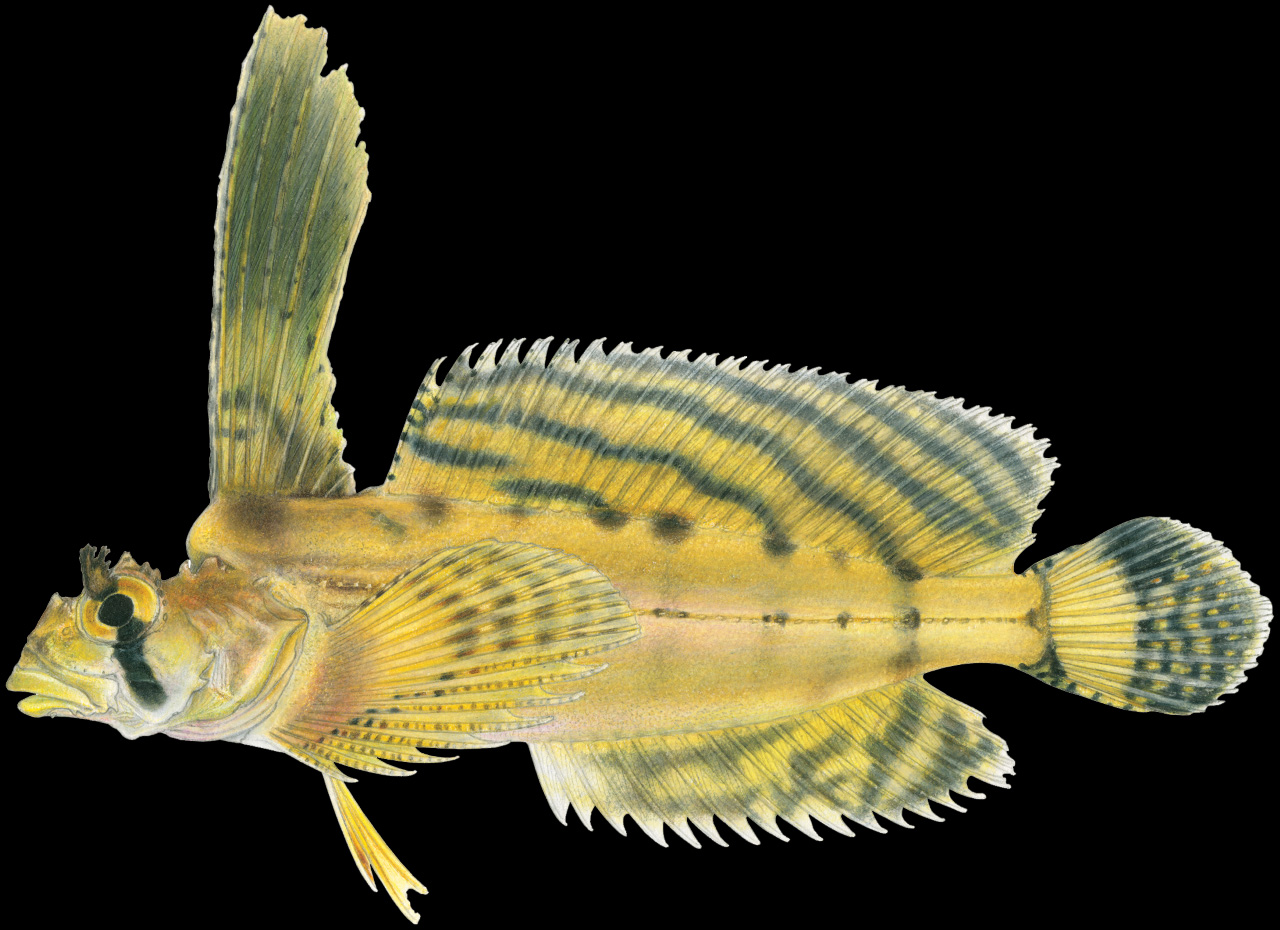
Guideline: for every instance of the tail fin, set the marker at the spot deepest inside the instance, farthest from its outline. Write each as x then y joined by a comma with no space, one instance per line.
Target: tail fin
1153,615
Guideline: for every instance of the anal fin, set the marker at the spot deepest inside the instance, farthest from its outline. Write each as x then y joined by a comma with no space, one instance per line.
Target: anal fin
883,752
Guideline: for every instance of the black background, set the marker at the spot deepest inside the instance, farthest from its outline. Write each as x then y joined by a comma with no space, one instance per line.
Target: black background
1060,230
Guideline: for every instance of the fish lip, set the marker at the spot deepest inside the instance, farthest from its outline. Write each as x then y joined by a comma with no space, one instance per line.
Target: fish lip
50,695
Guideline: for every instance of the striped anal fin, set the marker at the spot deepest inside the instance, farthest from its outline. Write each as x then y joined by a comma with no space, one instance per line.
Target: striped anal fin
456,646
907,479
290,202
883,752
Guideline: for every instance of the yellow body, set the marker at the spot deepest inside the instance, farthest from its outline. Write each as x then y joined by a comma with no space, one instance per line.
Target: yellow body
730,634
703,590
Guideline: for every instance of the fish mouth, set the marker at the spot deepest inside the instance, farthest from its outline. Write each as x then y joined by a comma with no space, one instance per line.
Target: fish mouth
50,696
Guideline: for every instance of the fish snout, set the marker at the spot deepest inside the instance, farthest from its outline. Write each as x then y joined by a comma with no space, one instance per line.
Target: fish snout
48,692
46,668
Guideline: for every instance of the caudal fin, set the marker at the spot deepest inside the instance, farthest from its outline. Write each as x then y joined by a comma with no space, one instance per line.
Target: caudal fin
1153,615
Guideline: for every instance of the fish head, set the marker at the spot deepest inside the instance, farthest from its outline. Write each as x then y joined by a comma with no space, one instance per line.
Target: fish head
112,654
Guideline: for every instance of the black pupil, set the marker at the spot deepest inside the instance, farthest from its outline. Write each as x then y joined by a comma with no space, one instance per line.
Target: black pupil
116,610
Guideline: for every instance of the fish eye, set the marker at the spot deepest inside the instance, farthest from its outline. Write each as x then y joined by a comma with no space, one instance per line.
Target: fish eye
116,609
123,615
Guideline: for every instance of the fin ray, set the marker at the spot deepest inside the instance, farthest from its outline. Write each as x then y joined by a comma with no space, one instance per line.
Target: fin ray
291,199
794,457
456,646
1153,615
370,851
881,753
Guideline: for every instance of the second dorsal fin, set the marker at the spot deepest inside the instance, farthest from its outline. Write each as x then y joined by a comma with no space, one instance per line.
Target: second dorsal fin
798,457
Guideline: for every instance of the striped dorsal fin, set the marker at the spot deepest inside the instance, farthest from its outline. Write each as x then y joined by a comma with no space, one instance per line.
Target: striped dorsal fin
290,202
883,752
798,457
455,646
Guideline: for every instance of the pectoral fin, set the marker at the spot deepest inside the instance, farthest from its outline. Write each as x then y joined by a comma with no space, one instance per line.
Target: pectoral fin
456,646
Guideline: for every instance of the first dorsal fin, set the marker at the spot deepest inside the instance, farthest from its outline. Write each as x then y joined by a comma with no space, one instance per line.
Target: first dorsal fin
291,200
883,752
796,457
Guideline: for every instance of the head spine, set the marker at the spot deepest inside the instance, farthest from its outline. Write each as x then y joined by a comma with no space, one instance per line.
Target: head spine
96,571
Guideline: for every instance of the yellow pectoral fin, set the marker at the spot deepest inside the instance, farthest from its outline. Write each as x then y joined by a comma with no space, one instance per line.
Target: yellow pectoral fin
371,852
454,647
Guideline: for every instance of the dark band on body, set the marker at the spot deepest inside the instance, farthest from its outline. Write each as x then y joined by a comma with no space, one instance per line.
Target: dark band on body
137,671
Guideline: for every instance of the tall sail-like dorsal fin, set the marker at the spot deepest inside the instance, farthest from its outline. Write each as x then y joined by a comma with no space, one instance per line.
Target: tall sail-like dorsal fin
798,457
290,202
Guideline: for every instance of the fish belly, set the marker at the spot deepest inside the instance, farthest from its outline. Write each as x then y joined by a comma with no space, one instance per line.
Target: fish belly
730,632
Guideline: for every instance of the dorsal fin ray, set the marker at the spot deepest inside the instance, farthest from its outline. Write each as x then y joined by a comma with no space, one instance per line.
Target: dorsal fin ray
797,457
291,200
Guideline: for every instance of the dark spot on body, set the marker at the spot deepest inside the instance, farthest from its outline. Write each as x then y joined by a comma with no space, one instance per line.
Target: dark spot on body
906,570
781,617
910,620
433,509
843,619
608,519
255,514
671,528
778,545
906,660
392,528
